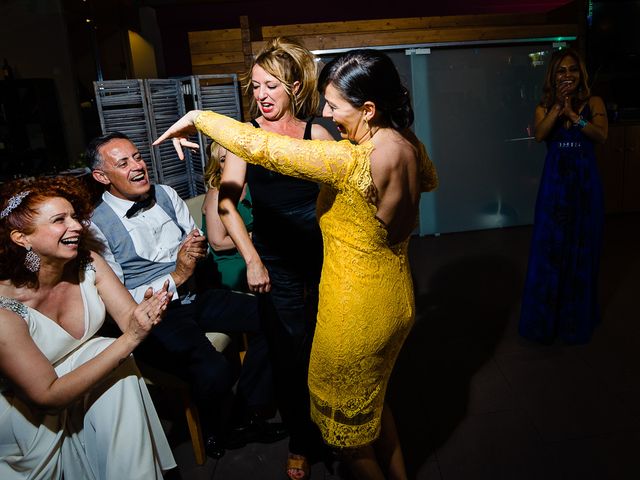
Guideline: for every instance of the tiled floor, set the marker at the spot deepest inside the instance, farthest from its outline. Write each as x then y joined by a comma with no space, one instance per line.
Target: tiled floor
473,400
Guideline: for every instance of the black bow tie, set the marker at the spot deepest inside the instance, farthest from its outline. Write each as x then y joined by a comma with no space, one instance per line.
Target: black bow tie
142,204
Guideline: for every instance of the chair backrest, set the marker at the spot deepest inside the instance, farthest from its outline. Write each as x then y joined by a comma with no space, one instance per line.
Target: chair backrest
195,208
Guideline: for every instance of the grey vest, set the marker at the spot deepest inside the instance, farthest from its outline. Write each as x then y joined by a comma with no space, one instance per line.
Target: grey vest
137,271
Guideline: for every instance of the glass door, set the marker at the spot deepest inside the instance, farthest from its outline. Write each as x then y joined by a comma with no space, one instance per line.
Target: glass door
474,109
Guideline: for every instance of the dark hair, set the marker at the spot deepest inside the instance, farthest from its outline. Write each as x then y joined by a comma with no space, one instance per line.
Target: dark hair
20,218
92,153
369,75
549,87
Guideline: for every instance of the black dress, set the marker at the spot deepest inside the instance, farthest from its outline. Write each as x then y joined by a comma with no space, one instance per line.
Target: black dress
288,239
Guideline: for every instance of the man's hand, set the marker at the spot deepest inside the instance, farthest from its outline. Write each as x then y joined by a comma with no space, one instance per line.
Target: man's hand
193,248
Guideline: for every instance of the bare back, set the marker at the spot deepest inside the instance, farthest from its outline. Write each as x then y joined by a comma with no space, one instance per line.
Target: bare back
395,173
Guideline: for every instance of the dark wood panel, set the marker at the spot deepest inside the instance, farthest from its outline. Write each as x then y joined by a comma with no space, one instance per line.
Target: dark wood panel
218,69
442,35
217,58
223,34
415,23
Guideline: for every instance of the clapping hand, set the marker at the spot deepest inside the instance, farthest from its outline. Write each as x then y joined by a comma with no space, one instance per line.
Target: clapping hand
563,91
179,131
149,312
564,102
193,249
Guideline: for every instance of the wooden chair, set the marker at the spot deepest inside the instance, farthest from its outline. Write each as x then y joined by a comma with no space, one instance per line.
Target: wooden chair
161,379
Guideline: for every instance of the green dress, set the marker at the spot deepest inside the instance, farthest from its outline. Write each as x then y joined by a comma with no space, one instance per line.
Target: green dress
232,270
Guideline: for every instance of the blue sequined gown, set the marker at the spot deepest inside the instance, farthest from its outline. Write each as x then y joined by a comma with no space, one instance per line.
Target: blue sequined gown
560,298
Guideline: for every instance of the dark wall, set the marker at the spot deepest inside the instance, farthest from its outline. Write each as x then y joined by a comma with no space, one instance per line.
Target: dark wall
613,56
34,41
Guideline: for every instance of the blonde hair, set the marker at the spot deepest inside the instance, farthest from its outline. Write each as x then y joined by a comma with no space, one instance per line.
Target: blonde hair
288,61
213,171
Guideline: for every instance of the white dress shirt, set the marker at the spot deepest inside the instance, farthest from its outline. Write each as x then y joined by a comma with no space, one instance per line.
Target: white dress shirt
154,234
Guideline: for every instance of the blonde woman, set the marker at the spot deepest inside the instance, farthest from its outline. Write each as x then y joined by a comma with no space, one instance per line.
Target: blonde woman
231,268
284,254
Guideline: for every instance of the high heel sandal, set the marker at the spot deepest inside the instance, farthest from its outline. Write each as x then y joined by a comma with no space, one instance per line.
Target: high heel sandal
298,467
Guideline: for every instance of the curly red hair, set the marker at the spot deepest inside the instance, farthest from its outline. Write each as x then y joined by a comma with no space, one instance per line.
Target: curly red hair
21,218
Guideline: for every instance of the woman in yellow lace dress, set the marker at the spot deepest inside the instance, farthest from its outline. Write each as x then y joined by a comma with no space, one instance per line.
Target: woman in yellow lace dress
367,209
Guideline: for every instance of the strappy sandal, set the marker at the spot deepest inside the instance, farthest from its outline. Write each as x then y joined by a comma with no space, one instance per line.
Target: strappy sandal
298,467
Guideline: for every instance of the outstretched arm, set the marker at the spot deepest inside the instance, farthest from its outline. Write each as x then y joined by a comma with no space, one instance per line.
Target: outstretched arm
324,161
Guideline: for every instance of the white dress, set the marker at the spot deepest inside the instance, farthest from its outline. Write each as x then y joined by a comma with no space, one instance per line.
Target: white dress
113,432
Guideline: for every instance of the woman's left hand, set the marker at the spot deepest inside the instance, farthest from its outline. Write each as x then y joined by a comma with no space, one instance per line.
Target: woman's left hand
179,132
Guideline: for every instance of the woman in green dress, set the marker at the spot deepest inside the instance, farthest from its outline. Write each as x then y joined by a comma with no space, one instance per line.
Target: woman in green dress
232,270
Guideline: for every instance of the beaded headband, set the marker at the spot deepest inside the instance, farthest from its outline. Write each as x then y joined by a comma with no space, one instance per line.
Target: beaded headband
14,202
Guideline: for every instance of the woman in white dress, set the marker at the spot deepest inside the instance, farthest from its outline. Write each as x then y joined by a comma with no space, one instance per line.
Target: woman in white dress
72,405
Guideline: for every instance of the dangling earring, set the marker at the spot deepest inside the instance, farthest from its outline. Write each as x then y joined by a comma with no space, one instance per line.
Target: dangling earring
32,261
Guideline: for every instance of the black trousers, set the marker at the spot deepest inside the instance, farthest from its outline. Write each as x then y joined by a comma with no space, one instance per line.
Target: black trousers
178,344
294,263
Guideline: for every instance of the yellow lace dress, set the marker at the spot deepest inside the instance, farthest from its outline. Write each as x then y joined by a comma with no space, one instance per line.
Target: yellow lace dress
366,305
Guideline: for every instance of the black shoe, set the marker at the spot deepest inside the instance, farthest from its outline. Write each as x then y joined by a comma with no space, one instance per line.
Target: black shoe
271,432
213,446
255,430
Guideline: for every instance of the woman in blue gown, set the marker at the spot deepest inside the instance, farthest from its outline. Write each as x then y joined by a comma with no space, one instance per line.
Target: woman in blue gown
560,298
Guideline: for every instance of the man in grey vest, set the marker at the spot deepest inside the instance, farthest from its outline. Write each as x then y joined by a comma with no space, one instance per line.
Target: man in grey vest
149,237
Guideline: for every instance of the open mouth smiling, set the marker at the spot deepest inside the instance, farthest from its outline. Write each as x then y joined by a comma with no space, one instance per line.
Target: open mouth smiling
138,177
70,241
